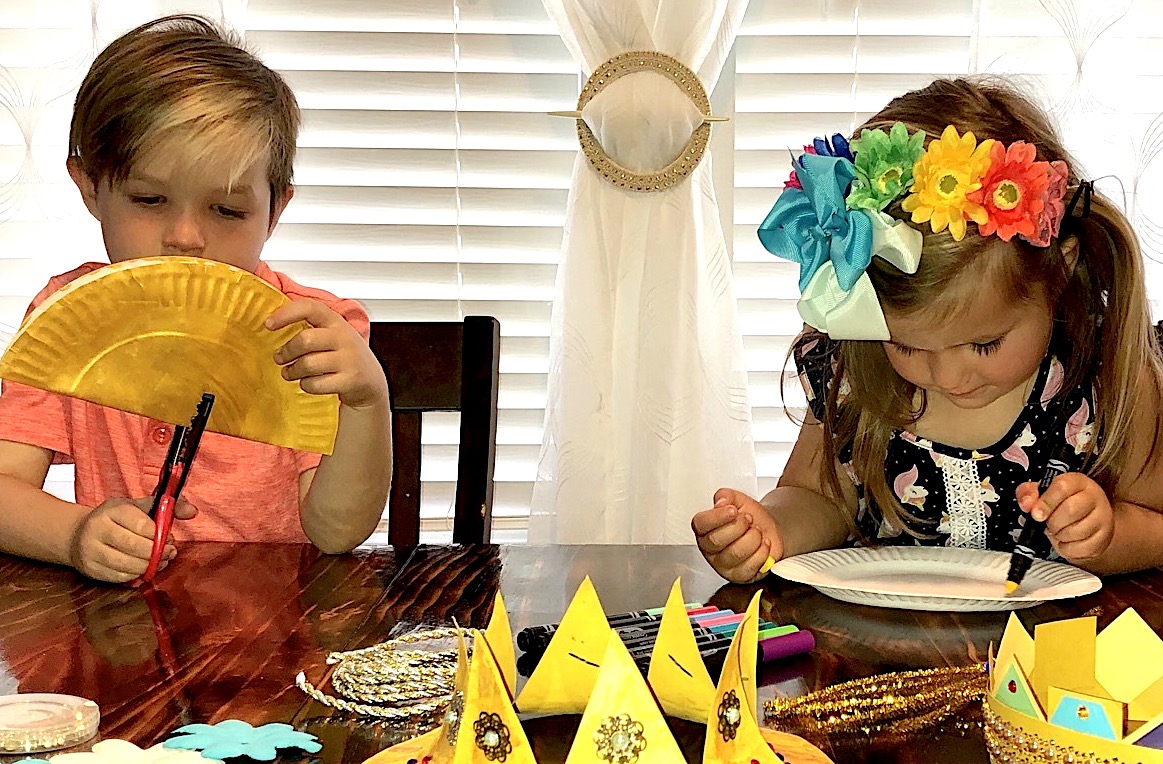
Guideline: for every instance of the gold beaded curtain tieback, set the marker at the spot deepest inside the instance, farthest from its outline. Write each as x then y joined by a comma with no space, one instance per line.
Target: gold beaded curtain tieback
691,154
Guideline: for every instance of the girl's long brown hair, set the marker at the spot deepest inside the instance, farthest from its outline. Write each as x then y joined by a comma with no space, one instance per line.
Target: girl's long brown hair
1104,290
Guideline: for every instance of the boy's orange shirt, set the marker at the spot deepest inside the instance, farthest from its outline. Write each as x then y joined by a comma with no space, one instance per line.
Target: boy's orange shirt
244,491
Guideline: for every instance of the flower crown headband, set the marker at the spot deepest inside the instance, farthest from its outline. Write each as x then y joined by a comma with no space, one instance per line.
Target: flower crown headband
830,217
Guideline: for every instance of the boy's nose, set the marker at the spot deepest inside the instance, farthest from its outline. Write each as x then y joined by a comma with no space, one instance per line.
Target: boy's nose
183,236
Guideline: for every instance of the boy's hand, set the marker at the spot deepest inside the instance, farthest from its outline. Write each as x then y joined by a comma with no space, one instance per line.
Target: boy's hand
737,536
1080,522
114,541
329,356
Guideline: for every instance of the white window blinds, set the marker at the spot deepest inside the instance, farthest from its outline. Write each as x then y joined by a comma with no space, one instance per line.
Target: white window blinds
431,184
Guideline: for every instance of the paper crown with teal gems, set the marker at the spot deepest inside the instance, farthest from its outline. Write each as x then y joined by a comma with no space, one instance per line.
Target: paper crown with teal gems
1071,694
830,217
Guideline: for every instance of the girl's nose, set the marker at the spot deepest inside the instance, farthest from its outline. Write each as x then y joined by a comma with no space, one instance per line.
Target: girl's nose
948,374
183,235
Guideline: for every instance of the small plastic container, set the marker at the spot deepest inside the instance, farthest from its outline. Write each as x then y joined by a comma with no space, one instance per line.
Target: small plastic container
32,722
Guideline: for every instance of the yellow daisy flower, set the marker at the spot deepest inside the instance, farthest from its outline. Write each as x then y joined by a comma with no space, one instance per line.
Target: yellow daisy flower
951,168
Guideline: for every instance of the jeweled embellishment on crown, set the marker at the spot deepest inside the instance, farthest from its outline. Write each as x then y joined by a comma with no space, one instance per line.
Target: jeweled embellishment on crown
729,716
452,717
492,736
1069,695
620,739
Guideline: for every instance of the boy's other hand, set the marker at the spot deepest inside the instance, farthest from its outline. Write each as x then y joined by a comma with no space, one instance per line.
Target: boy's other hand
737,535
329,356
114,541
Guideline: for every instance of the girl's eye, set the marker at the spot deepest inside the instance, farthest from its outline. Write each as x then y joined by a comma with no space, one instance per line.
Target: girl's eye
904,349
985,348
149,200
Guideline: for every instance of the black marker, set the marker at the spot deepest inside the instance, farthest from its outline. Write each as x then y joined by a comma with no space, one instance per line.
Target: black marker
1023,554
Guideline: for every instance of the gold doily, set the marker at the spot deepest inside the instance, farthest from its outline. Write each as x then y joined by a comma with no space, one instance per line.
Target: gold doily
685,79
390,682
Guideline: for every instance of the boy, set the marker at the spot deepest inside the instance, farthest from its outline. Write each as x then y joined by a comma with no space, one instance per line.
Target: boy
182,143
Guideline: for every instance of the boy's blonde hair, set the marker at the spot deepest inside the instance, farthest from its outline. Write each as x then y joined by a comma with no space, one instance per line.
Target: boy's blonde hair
183,87
1104,290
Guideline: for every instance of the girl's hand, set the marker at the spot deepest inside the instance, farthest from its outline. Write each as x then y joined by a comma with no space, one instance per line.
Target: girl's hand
329,356
737,535
1079,520
114,541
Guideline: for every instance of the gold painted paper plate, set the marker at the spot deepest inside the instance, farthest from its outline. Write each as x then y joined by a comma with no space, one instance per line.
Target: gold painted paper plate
149,336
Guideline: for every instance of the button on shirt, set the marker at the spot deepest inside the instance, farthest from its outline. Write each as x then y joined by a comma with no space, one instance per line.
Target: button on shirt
244,491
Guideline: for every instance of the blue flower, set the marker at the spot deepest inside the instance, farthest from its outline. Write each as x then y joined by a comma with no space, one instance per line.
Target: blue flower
836,146
812,225
237,738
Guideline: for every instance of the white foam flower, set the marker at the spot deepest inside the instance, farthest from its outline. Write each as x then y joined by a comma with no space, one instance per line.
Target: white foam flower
123,752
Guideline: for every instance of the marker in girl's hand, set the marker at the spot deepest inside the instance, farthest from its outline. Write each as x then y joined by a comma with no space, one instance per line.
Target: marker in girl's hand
768,564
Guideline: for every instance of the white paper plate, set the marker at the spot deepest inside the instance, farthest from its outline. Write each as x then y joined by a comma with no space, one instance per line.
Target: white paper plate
932,578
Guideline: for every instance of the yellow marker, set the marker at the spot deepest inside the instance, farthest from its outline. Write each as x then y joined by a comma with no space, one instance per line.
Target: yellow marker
1011,587
768,564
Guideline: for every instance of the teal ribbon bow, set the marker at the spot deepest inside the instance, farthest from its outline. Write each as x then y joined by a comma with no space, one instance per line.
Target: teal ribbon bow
812,226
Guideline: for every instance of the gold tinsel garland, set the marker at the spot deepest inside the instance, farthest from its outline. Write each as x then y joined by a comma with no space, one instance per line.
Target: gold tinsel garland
899,703
389,681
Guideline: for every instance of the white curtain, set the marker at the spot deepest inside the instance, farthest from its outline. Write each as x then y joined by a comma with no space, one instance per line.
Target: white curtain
647,407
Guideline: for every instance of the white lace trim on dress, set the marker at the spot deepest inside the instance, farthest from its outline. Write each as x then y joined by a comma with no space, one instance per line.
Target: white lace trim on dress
964,520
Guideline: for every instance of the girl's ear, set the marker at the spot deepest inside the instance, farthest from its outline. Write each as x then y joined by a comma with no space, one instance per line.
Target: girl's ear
84,183
1069,247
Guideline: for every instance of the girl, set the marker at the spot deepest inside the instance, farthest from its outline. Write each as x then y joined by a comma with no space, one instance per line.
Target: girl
973,309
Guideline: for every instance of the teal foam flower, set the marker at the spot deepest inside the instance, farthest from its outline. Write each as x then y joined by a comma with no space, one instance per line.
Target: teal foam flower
32,761
884,166
237,738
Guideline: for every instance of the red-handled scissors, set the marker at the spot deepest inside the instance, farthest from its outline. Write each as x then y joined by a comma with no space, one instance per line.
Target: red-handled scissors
173,476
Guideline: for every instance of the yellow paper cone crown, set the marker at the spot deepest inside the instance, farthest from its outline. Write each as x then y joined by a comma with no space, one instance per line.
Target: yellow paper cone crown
621,720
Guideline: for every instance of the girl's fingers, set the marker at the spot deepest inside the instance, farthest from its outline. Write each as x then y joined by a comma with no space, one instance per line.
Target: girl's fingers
1085,527
749,543
709,519
1069,512
724,536
753,567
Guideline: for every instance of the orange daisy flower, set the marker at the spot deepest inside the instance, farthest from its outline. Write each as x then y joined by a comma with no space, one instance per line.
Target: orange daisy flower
1013,191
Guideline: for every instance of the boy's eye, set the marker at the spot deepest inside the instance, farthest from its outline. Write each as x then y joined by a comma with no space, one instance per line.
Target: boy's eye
148,200
985,348
904,349
230,212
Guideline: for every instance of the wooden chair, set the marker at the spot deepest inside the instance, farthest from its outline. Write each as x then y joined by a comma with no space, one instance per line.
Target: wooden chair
442,366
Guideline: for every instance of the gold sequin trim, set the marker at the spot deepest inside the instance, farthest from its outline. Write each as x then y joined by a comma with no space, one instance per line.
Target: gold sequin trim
1010,744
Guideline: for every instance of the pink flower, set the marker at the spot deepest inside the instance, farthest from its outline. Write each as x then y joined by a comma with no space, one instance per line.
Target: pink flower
793,180
1048,223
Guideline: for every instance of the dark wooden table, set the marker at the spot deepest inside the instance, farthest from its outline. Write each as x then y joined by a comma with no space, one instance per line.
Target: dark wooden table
231,625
